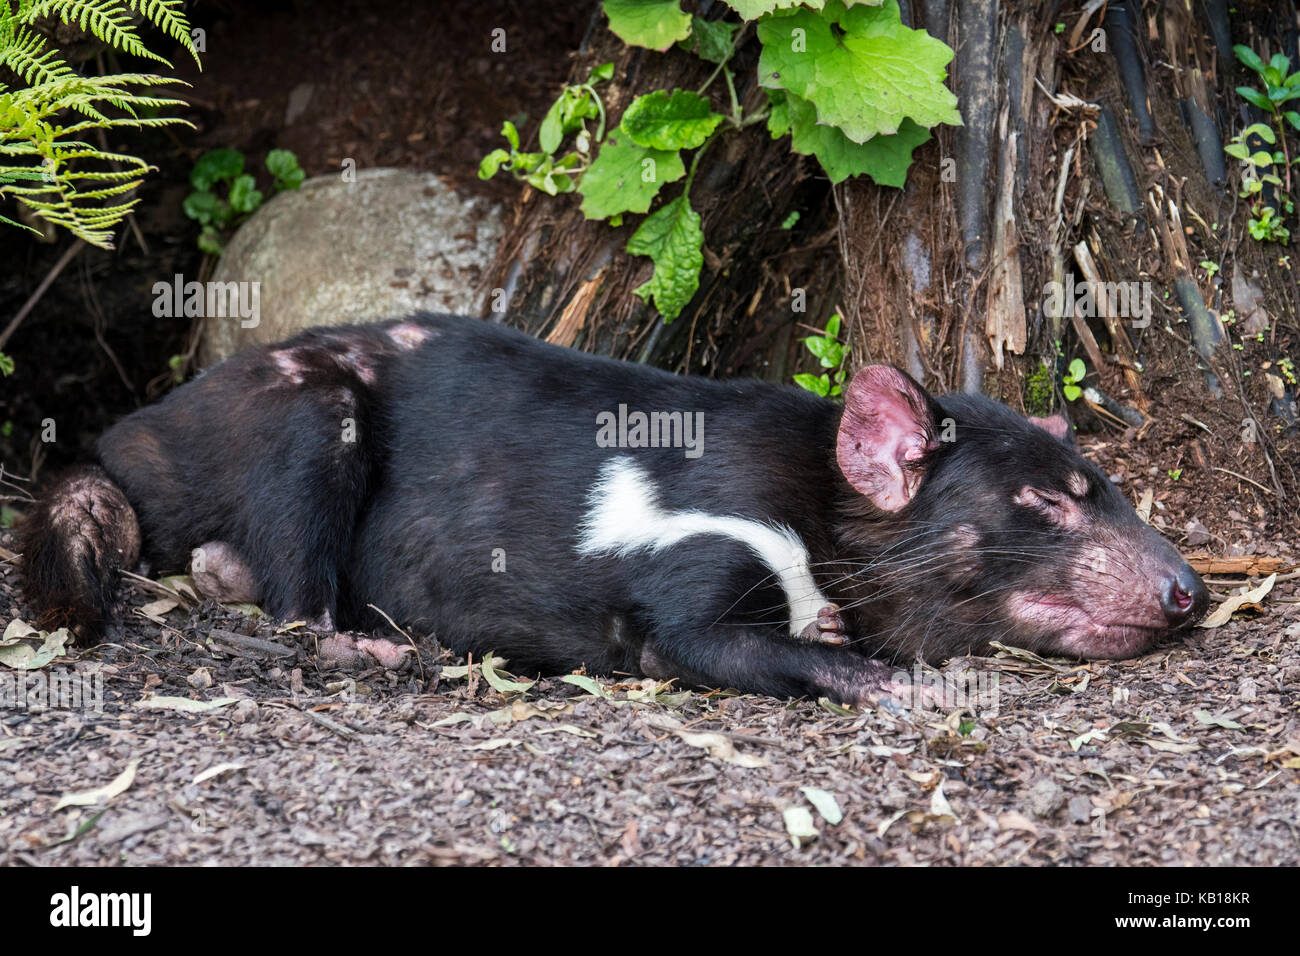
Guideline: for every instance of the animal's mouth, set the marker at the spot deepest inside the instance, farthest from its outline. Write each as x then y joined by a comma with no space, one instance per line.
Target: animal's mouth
1112,641
1072,629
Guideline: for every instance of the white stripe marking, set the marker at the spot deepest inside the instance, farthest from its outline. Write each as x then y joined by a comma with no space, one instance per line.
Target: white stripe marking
624,516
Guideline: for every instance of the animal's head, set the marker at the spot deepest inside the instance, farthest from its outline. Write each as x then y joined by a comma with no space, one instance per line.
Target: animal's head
977,524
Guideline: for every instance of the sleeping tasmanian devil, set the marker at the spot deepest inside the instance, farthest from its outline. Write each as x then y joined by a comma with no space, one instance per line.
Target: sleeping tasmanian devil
566,510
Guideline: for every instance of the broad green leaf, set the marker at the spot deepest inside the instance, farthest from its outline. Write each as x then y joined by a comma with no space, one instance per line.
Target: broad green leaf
1255,97
599,73
885,158
1077,370
1249,57
1262,130
817,384
672,238
1237,150
656,24
216,165
1071,392
491,163
710,39
283,165
626,177
244,195
660,120
552,131
753,9
201,206
867,79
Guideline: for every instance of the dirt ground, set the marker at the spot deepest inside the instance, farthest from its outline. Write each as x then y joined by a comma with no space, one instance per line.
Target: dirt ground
1190,755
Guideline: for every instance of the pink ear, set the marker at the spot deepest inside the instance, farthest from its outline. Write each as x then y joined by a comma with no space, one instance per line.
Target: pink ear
1058,426
886,431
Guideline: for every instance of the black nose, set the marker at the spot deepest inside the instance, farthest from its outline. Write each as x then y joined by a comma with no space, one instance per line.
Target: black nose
1185,598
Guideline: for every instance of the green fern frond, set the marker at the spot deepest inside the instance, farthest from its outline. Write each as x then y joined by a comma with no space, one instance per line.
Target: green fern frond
105,20
44,163
164,15
26,56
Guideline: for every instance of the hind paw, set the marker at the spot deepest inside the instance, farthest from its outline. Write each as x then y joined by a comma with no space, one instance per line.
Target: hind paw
344,650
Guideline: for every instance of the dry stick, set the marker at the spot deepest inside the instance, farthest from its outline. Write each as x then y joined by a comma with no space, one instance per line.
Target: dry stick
1249,481
68,255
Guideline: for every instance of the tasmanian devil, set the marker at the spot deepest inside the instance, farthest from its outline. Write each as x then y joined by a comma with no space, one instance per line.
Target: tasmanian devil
565,510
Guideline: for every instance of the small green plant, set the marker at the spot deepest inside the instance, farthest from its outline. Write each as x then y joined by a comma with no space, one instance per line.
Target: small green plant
46,161
569,114
831,354
1071,379
848,82
1279,87
1287,368
224,195
1174,473
1211,268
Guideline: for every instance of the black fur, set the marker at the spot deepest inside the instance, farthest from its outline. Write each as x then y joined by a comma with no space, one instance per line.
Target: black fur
475,442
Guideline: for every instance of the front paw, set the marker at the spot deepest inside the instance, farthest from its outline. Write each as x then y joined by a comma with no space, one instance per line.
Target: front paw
827,629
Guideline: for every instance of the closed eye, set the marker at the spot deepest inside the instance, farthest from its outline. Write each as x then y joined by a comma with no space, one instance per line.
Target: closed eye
1057,506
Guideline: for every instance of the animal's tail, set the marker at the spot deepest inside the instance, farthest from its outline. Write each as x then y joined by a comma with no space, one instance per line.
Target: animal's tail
81,532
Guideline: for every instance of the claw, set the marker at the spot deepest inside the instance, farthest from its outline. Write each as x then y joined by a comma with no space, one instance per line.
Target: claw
827,629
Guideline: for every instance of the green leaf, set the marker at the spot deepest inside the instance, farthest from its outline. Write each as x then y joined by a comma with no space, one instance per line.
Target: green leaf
552,132
626,177
1249,57
491,163
215,166
830,352
1262,130
1076,371
656,24
833,326
1293,118
210,241
510,133
244,195
680,120
672,238
283,165
599,73
201,206
866,79
1237,150
1071,392
885,159
710,39
753,9
1255,97
817,384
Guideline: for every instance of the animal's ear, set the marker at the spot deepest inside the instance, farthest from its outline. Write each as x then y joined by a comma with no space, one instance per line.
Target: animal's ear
1058,426
886,436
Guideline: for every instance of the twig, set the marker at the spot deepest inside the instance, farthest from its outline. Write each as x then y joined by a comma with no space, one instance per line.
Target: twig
68,255
1249,481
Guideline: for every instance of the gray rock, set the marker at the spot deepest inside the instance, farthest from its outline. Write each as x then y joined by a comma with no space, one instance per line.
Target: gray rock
1045,798
334,252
